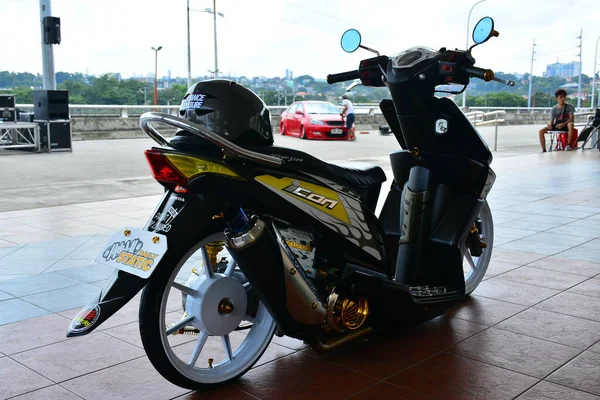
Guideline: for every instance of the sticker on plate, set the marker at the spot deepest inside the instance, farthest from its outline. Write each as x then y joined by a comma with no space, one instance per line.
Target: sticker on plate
336,130
134,251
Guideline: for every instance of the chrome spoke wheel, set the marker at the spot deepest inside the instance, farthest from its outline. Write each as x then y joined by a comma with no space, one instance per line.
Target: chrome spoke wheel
474,268
203,330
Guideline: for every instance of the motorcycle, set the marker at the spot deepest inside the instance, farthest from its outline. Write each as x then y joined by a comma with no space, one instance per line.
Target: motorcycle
249,241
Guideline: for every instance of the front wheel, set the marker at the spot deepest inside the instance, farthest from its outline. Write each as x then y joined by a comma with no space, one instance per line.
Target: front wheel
475,267
302,133
200,323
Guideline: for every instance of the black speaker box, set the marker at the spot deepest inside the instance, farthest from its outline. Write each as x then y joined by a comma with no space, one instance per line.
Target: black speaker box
51,30
55,135
8,115
7,101
50,104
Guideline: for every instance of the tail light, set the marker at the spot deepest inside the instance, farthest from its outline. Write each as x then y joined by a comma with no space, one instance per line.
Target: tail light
163,170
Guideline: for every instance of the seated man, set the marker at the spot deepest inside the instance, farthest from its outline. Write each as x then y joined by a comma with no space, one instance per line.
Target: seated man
562,118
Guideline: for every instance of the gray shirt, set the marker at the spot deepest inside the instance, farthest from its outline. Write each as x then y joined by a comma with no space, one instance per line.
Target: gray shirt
557,113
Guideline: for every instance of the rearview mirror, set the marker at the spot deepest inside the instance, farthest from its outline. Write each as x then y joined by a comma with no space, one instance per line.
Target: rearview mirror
350,40
483,30
300,112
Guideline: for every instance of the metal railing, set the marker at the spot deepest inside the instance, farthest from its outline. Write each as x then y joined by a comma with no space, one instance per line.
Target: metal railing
479,118
126,111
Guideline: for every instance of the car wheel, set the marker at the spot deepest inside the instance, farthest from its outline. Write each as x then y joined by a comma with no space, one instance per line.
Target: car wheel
302,133
282,129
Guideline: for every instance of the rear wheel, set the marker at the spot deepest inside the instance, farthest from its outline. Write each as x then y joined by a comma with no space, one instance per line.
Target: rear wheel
282,129
201,325
475,267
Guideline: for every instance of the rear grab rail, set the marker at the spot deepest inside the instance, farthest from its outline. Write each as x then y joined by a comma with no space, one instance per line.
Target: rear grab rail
226,146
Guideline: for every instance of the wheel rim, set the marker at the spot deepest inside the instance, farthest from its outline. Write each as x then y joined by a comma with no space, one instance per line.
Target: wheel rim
215,304
474,268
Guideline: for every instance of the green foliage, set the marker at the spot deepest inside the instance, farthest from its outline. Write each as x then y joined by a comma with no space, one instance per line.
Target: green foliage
500,99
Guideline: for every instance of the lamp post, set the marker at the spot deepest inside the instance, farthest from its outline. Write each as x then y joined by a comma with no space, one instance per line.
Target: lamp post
156,74
189,60
467,48
214,13
594,75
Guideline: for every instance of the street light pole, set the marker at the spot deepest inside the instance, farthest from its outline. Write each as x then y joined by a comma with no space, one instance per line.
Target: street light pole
594,75
214,13
156,74
189,60
531,76
464,104
580,68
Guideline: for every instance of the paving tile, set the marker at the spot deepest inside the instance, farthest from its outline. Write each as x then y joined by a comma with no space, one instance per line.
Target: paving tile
32,237
289,342
37,284
31,253
512,232
496,267
545,278
549,219
86,229
33,333
70,242
55,392
595,348
125,381
5,296
551,391
287,378
514,257
16,379
72,358
225,392
539,226
5,277
591,245
67,264
590,287
573,304
32,266
556,238
535,247
519,353
6,244
4,251
581,373
554,327
64,299
386,391
577,267
89,272
578,253
448,376
485,311
569,230
513,292
14,310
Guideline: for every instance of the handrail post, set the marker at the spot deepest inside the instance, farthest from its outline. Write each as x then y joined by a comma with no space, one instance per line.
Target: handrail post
496,134
124,113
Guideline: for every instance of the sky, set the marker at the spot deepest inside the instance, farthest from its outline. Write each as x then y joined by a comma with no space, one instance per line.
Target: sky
266,37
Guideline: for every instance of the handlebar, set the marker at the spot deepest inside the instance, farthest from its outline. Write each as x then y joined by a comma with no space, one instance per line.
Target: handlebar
487,75
342,77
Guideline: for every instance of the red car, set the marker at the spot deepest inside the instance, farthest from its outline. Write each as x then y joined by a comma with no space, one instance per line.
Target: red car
313,120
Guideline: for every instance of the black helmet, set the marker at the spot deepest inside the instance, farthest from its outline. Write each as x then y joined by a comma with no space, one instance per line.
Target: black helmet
229,109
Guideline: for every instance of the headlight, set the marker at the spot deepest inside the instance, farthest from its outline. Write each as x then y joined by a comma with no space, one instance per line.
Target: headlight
316,122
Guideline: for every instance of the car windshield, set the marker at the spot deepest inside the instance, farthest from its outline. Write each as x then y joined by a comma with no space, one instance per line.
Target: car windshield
321,108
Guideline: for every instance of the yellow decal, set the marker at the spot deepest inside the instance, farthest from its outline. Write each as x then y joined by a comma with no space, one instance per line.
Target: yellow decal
192,166
319,197
141,260
297,245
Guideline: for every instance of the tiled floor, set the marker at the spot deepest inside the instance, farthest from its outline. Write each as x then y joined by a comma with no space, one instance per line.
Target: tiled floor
530,331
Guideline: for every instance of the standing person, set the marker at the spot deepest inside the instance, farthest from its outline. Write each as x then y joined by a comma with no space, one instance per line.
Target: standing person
562,118
348,112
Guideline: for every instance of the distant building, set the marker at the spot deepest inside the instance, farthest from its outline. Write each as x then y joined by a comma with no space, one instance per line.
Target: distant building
564,70
289,74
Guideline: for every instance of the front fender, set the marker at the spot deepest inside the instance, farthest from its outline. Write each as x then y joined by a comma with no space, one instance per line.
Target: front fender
183,219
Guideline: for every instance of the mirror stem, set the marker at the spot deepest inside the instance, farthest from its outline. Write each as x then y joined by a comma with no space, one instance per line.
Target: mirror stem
370,49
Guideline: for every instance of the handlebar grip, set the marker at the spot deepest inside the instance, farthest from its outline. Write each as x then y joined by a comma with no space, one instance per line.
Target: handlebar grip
485,74
342,77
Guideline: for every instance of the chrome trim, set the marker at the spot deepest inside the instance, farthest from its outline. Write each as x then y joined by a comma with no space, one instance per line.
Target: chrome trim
200,131
246,239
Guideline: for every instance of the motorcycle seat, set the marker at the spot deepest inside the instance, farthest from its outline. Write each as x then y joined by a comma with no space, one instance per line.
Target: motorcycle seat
357,174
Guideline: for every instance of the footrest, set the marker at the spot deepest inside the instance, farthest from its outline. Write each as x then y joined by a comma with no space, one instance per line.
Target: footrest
433,294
